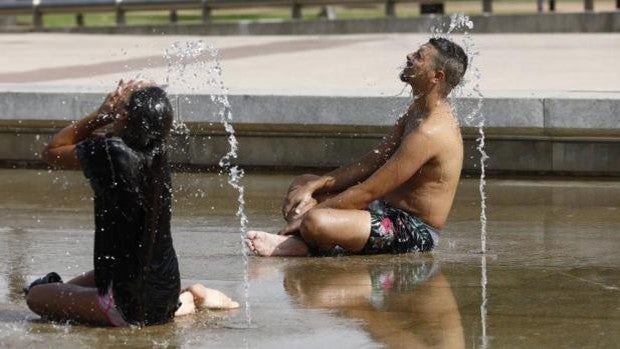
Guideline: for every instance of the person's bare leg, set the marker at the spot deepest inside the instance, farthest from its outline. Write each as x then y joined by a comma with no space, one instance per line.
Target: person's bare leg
210,298
265,244
63,302
326,228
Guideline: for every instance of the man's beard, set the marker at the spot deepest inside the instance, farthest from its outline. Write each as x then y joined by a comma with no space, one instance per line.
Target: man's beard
406,76
408,80
402,76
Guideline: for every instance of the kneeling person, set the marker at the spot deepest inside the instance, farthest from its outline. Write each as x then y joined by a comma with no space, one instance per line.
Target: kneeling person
136,277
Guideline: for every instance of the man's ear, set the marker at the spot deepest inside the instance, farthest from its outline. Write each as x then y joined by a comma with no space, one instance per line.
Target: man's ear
439,76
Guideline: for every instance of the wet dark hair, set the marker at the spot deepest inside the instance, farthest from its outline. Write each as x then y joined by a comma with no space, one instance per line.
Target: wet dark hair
149,118
452,59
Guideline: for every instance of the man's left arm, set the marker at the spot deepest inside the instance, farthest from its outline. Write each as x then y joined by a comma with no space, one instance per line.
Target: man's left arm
414,151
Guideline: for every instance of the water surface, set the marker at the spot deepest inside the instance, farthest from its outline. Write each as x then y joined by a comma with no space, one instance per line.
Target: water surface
553,270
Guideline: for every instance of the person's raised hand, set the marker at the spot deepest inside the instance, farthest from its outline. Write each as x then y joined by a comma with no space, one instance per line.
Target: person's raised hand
113,107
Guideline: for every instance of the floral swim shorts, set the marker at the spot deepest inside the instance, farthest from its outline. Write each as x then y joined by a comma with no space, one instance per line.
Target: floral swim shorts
393,230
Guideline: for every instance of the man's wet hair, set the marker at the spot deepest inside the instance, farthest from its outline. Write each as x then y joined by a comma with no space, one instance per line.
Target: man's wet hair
452,59
149,119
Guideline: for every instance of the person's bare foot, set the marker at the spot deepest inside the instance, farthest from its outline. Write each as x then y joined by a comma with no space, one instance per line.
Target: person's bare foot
210,298
187,304
215,299
265,244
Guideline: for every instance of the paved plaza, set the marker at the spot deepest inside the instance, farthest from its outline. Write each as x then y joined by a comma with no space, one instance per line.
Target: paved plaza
356,65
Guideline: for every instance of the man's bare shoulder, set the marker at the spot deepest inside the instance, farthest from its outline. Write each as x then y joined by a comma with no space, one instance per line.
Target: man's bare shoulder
442,127
434,127
433,135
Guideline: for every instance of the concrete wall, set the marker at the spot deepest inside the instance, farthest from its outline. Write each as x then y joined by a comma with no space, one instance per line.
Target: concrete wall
559,133
521,23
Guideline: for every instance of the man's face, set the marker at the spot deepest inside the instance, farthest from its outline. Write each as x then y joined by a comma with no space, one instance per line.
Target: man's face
420,69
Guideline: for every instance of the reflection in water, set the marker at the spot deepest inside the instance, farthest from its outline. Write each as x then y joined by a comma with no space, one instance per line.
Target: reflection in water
401,303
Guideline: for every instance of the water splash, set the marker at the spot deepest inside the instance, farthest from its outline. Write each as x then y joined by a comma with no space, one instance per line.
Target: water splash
484,302
473,118
183,60
186,62
220,98
462,24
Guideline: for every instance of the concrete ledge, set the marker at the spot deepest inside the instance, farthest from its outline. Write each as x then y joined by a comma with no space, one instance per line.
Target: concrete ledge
582,113
554,132
47,106
590,112
598,22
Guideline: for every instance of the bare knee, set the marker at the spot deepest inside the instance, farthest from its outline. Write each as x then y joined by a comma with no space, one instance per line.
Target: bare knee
37,300
313,227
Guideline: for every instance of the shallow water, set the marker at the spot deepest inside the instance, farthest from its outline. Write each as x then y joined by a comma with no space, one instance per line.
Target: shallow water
553,270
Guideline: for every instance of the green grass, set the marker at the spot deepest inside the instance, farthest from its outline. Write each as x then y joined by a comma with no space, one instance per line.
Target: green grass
194,16
471,7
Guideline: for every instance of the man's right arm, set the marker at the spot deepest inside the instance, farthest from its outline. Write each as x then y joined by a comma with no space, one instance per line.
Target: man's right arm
354,173
300,195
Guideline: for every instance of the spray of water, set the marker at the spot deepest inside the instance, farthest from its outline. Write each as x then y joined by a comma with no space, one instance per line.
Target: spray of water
473,118
235,173
180,56
204,58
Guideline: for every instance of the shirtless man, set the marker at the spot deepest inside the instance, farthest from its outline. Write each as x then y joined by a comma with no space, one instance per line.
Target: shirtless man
396,198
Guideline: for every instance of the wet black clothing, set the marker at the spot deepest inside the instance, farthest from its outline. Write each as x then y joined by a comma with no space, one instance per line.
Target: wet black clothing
122,185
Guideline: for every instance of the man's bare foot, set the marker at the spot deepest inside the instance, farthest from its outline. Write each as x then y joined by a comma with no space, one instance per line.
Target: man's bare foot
265,245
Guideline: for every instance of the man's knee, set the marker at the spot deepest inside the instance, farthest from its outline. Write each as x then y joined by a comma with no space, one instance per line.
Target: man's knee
313,226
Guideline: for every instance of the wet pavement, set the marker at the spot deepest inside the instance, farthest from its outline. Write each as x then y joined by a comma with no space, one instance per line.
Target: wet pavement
552,270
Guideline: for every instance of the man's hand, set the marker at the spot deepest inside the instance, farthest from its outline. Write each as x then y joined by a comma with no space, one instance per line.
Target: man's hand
292,228
297,202
299,197
304,206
